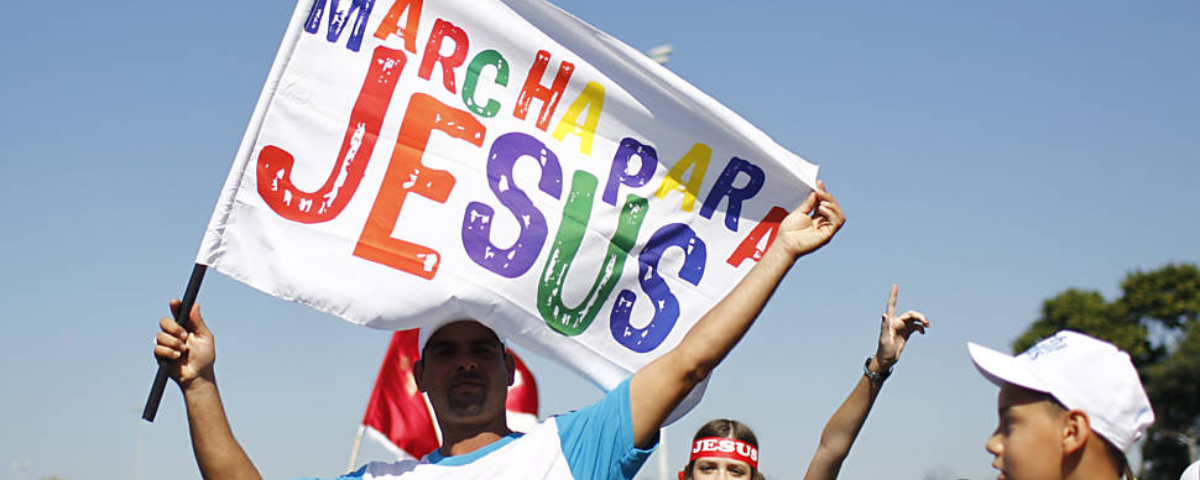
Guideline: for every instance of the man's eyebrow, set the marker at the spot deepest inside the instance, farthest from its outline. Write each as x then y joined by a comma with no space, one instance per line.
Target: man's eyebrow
439,344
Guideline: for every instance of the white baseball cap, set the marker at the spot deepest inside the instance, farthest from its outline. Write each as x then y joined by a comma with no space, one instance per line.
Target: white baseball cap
1082,373
427,331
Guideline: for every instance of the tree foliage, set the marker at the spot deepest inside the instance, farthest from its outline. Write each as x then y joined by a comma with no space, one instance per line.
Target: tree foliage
1167,302
1086,311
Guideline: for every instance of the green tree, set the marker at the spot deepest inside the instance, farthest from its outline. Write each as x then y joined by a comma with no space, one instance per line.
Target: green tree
1166,302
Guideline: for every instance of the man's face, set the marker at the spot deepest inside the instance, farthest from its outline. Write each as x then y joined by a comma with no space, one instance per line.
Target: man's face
1028,442
465,372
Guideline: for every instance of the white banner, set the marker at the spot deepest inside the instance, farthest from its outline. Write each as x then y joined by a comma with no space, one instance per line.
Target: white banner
413,161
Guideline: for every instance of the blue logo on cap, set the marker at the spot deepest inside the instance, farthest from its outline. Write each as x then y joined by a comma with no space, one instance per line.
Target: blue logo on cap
1043,347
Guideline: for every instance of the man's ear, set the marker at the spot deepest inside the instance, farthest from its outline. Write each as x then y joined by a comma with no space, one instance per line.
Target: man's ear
1077,430
419,374
511,366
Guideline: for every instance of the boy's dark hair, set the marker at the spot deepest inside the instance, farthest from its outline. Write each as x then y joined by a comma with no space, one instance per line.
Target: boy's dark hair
1115,454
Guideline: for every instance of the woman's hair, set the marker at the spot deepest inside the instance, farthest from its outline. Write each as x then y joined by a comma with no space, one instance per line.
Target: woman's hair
725,428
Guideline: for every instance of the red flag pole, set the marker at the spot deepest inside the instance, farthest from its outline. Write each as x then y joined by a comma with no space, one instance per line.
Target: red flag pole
181,316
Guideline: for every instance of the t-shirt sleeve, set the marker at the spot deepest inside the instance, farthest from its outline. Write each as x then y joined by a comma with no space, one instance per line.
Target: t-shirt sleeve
597,441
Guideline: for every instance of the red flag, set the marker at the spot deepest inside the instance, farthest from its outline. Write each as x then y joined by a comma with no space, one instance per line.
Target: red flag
397,410
402,419
522,401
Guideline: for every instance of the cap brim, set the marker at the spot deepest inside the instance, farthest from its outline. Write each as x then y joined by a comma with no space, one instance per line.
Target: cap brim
427,331
1000,368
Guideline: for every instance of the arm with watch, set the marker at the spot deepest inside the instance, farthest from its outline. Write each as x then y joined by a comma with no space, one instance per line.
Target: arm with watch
847,421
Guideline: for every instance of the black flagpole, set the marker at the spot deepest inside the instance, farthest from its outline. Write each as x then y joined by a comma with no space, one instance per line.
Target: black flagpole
181,316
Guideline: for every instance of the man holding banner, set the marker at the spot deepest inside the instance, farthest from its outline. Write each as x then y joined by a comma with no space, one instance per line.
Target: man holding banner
465,371
518,175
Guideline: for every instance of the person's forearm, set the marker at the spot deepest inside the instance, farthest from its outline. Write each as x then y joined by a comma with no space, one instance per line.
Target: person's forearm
217,453
719,330
658,388
842,429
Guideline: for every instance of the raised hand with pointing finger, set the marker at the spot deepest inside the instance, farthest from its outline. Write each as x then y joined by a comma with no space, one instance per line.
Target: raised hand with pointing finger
895,330
843,427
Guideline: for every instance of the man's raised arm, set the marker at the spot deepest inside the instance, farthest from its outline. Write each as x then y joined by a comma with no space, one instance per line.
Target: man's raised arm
658,388
192,355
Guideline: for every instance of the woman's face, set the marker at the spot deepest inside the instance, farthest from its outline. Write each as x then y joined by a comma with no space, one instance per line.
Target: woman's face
712,468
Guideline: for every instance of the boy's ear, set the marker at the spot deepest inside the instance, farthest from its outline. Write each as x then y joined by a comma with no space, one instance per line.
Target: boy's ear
419,374
1077,430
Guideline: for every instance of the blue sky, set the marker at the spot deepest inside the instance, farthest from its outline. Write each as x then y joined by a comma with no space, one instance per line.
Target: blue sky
988,156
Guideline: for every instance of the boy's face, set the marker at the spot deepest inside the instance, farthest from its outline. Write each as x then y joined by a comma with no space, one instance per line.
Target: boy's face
1028,442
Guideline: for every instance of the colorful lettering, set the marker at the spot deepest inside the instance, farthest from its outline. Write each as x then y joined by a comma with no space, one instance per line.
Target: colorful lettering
666,306
483,59
618,174
477,221
724,188
533,89
760,239
433,52
338,18
695,159
391,23
405,174
576,214
274,165
591,98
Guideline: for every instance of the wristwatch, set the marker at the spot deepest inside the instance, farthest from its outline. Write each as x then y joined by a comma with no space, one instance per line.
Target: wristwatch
875,377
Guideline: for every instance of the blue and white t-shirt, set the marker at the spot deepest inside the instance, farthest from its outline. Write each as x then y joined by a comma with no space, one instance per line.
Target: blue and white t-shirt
595,443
